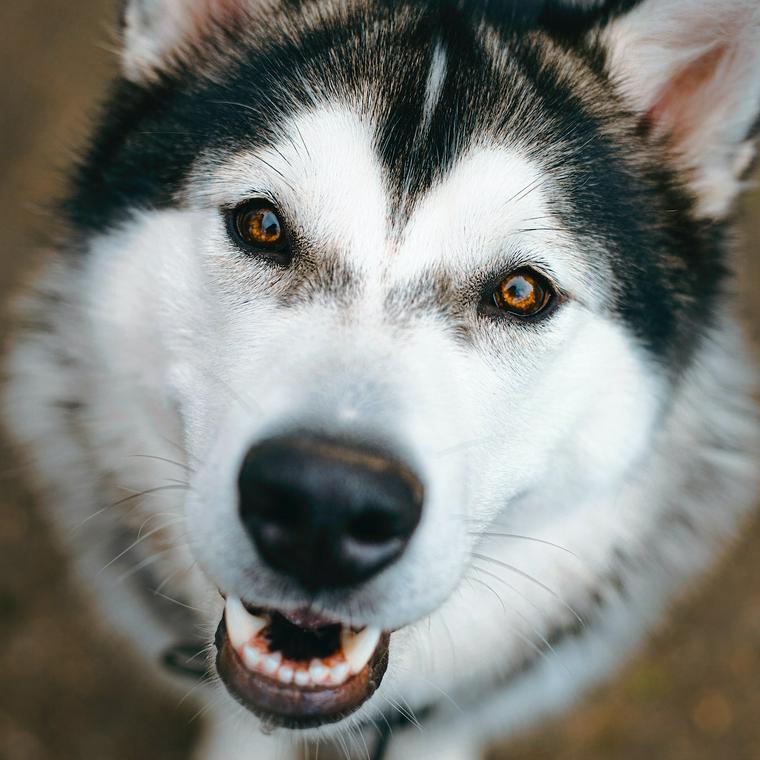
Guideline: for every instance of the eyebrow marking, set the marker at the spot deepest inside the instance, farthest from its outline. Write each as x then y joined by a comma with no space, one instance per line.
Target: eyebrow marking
435,80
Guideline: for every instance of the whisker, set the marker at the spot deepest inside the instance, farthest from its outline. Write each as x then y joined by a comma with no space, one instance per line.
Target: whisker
143,563
530,578
276,171
163,459
533,628
538,229
400,710
443,693
410,710
204,680
300,134
169,578
148,492
356,730
282,156
133,496
139,540
343,746
174,515
177,602
490,588
527,190
512,588
497,534
202,712
244,106
526,639
179,448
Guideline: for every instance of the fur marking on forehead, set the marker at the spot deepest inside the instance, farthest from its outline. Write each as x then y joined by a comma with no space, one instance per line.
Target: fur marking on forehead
436,77
489,208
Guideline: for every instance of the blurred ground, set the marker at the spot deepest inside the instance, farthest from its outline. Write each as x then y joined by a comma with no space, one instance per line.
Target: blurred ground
693,694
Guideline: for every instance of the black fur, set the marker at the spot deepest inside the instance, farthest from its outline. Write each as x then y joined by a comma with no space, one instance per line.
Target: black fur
667,268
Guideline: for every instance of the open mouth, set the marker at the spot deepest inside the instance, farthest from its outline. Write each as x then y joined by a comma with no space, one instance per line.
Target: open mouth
298,670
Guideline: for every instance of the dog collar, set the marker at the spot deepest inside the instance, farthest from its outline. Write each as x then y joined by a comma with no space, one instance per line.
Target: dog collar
183,659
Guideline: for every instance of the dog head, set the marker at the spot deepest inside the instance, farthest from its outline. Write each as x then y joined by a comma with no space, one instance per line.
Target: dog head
423,278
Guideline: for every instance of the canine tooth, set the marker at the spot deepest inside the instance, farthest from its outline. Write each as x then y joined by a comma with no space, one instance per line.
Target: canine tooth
359,647
339,672
302,678
272,662
251,656
318,671
285,674
241,625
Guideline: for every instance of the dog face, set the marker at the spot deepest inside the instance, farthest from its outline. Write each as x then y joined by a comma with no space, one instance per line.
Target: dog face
423,279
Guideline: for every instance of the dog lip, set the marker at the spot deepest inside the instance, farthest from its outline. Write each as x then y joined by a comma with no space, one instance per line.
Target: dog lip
292,706
303,617
307,618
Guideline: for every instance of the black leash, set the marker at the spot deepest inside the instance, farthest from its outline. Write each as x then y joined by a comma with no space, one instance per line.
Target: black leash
386,728
185,660
392,722
383,742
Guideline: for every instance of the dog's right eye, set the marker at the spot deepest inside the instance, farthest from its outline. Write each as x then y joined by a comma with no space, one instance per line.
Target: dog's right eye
257,228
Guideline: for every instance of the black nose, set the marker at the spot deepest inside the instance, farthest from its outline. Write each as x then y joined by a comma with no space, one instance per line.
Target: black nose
327,513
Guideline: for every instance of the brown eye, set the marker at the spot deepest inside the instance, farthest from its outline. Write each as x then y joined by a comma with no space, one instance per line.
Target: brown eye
257,227
524,293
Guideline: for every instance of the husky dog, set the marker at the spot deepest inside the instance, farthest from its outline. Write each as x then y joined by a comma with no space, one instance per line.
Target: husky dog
395,340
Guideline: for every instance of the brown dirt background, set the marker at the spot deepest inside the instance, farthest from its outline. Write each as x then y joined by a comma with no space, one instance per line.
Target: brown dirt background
65,694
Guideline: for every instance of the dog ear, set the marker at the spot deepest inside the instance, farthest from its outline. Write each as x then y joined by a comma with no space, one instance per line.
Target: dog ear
159,33
691,70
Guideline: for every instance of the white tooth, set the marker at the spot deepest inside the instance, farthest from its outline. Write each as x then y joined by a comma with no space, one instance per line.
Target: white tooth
359,647
318,671
285,674
339,672
272,662
303,678
241,625
251,657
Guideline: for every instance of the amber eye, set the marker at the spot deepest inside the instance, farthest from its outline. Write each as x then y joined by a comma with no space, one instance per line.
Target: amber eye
524,293
257,227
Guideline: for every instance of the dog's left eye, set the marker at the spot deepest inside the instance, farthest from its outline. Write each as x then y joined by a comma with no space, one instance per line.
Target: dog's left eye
524,293
258,228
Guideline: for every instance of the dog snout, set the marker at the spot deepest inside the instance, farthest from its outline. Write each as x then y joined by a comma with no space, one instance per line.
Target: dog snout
325,513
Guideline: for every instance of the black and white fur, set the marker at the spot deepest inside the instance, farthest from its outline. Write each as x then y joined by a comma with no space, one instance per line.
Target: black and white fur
420,149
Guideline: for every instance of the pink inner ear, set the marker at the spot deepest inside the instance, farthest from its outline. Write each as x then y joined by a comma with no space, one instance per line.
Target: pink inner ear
683,104
220,11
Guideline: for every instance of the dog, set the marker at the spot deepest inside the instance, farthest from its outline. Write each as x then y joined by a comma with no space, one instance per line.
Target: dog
389,362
